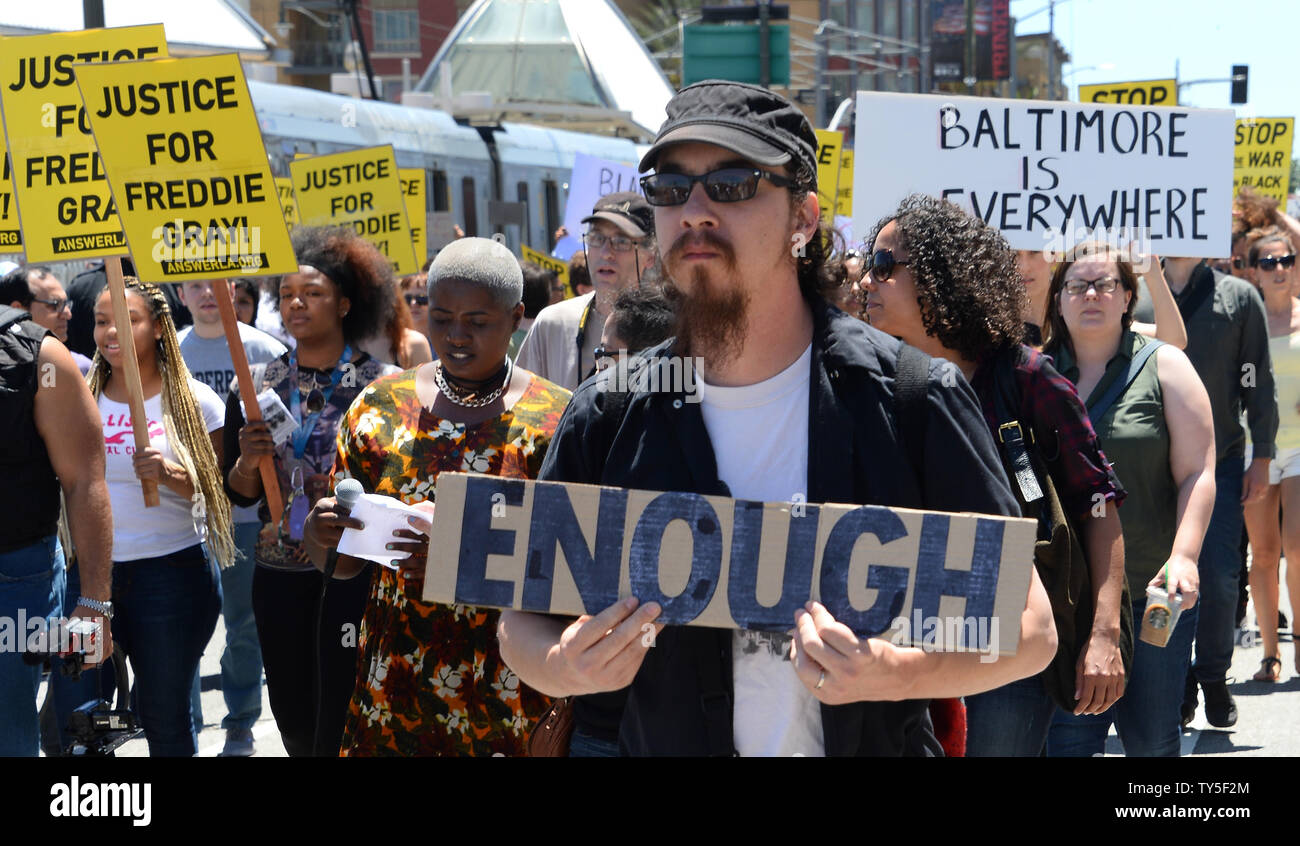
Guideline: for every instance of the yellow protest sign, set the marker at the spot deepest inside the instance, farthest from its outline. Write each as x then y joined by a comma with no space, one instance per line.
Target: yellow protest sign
1262,156
11,236
844,200
829,144
1151,92
413,193
289,203
183,153
560,268
64,202
361,189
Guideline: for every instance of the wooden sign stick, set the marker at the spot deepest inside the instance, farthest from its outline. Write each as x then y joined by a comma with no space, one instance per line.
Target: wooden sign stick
252,411
130,368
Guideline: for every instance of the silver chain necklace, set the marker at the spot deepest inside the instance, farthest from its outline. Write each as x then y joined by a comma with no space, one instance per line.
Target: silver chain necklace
441,381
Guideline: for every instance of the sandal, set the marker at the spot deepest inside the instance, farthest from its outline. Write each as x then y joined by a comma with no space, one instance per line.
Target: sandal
1270,669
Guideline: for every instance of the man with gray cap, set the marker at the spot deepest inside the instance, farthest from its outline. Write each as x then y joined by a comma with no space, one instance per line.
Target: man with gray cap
798,405
619,244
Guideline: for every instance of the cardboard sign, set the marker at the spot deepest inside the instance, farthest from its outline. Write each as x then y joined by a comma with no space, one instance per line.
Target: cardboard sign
844,195
1262,158
592,178
413,194
560,268
1152,92
361,189
64,201
11,235
183,153
1049,174
288,202
712,561
829,145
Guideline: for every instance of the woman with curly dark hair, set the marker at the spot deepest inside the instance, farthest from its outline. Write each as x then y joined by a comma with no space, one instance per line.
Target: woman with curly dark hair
944,281
343,292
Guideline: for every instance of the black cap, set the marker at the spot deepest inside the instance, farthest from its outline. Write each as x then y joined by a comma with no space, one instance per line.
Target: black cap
760,125
627,210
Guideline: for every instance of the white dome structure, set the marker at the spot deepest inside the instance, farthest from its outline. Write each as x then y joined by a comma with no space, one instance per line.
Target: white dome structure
571,63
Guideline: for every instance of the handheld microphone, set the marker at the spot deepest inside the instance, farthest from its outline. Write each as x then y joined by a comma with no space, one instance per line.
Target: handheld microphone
347,492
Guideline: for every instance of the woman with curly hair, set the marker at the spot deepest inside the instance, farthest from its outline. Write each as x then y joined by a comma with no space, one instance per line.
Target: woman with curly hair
166,591
947,283
342,292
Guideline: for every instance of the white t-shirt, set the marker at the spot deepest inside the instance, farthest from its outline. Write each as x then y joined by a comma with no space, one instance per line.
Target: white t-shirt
168,527
760,438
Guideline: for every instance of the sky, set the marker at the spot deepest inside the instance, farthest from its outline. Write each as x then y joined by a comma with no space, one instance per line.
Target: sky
1144,38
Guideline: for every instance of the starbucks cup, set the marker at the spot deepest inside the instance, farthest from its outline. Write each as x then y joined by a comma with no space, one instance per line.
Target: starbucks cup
1160,616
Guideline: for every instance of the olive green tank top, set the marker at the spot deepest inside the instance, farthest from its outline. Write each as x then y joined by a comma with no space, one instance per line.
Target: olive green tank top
1135,439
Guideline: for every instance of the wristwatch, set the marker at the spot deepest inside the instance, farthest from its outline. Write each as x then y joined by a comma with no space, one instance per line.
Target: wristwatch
105,608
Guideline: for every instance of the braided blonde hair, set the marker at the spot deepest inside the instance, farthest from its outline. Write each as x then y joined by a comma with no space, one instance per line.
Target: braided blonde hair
186,433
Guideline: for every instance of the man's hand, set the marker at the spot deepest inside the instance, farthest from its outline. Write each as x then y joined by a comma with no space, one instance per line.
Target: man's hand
856,669
604,652
1255,483
1184,576
102,648
1099,674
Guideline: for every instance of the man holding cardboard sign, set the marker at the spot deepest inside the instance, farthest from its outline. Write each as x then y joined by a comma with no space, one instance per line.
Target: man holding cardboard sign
799,405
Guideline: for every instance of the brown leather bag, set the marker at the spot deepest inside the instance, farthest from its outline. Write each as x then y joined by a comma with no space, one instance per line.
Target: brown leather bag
550,739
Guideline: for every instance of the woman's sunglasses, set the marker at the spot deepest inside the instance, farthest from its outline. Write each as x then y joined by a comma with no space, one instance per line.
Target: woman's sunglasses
416,300
725,185
1271,262
881,264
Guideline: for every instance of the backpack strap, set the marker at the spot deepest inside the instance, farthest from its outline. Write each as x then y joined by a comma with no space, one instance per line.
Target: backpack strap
1098,410
911,412
1197,296
1011,434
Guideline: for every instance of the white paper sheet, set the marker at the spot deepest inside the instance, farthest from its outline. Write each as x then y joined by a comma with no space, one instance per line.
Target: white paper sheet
382,515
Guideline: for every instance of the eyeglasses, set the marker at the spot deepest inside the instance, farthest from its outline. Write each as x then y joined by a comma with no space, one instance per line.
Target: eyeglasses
1104,285
619,243
417,300
57,305
725,185
881,264
1271,262
604,357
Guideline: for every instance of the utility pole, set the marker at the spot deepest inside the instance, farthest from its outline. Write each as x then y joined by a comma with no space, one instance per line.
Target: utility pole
823,13
970,47
92,14
365,52
1051,48
764,49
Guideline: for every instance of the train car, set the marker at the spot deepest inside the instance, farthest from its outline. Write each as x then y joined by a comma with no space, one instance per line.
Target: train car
473,174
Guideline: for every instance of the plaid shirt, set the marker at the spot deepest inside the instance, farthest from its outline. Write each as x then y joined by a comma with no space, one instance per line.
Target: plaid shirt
1061,430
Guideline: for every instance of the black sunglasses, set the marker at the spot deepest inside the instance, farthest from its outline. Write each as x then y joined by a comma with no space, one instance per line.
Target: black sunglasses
1271,262
881,264
725,185
417,300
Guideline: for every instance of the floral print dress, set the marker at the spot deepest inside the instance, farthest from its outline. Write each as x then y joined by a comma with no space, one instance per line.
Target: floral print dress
430,679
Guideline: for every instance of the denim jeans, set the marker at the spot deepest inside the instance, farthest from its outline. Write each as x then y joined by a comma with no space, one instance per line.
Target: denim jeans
583,745
1147,717
31,582
241,662
1220,575
1010,721
166,610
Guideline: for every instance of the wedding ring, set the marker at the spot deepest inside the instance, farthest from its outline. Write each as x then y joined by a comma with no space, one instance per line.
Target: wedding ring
821,680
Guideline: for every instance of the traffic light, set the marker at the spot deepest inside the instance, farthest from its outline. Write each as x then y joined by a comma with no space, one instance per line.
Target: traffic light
1239,75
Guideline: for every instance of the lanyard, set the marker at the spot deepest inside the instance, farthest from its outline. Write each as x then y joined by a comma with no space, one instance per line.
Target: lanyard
305,427
582,333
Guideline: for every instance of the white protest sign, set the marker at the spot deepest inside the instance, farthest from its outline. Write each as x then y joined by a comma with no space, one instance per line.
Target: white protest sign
592,179
1050,174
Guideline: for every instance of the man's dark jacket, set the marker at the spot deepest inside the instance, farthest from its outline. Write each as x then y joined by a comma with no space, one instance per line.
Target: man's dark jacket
854,456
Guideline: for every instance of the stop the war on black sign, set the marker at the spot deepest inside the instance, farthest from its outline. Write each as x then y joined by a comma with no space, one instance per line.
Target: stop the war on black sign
571,549
1049,174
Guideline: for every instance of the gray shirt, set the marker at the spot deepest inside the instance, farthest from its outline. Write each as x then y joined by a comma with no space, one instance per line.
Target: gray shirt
209,362
1227,342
